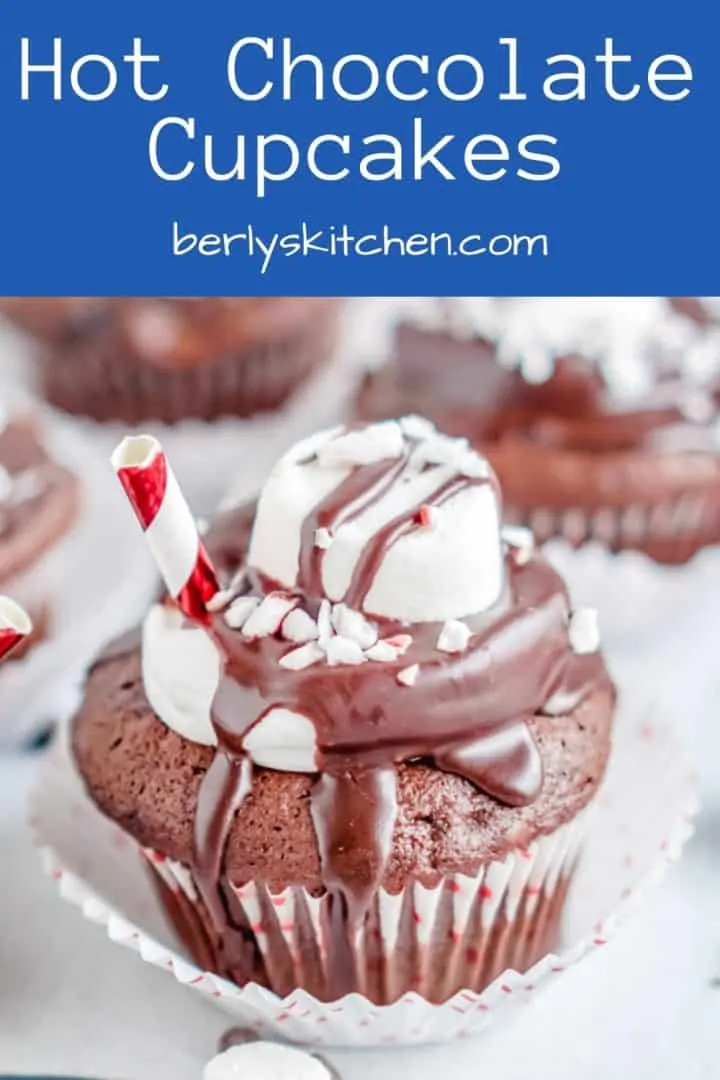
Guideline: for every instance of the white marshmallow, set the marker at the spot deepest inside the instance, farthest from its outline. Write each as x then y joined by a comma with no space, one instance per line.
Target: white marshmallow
265,1061
284,740
583,631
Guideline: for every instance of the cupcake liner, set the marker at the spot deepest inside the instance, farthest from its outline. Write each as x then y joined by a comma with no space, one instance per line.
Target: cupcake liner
91,585
669,533
642,816
458,935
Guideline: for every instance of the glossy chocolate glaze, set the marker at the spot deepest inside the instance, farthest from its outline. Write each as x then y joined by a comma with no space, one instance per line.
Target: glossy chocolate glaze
465,713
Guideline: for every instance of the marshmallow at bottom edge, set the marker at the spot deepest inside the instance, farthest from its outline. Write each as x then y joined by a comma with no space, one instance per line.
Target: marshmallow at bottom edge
266,1061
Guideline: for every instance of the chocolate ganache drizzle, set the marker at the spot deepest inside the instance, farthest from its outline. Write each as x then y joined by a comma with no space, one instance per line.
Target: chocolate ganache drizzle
379,688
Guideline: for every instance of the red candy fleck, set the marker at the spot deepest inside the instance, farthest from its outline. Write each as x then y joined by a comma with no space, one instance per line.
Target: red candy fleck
424,516
399,641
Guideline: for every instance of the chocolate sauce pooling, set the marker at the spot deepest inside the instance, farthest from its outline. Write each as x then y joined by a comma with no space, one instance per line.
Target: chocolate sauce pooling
466,712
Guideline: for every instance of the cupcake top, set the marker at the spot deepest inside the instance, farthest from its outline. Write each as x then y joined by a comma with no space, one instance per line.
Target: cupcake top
378,616
381,615
166,332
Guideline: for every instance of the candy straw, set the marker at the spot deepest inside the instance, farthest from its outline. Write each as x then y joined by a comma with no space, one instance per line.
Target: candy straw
15,625
166,520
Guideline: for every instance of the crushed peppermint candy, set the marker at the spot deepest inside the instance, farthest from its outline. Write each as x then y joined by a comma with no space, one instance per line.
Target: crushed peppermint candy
363,447
240,611
521,540
417,427
473,466
299,627
268,616
383,652
439,450
324,622
408,676
352,624
454,636
220,600
583,631
304,657
427,516
454,453
323,538
400,642
342,650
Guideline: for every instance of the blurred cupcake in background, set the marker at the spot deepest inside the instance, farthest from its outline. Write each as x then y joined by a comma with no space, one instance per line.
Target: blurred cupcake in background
39,503
138,359
358,744
598,415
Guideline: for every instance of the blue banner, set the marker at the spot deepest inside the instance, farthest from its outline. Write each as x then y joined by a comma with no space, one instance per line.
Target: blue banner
370,149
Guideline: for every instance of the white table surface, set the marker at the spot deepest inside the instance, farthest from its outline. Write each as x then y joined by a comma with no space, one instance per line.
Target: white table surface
644,1007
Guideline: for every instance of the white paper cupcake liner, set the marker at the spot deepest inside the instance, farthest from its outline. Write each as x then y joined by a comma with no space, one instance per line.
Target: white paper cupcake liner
460,933
96,581
642,816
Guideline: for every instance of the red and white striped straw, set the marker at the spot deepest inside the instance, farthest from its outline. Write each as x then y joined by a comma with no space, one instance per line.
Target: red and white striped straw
168,524
15,625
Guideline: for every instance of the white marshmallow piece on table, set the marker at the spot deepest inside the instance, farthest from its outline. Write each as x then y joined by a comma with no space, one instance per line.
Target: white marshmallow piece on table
265,1061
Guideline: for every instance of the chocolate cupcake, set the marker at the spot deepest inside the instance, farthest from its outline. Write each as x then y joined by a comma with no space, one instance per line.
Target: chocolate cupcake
38,504
370,767
163,359
599,416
